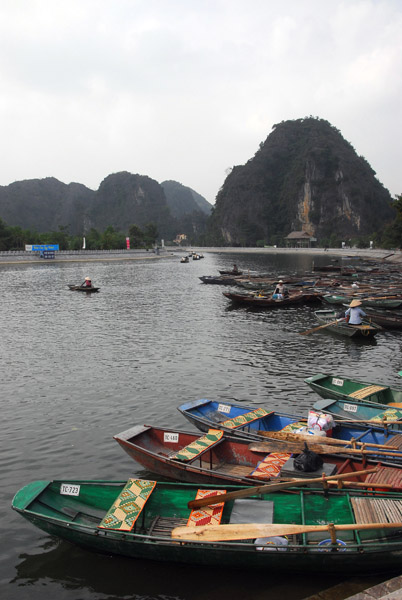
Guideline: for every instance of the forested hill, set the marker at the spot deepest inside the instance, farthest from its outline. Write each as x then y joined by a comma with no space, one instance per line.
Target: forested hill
183,200
123,199
304,177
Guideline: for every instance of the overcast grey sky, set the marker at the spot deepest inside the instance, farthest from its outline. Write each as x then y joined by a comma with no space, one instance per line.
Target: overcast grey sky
185,89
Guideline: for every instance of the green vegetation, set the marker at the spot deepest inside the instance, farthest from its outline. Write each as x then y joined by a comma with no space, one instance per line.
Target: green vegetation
15,238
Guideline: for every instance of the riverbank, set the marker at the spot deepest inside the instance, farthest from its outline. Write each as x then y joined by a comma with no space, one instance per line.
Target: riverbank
374,254
21,257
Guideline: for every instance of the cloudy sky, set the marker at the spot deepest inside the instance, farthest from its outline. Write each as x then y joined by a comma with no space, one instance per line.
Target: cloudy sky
186,89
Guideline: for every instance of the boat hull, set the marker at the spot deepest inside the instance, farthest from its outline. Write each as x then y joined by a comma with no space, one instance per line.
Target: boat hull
231,460
60,516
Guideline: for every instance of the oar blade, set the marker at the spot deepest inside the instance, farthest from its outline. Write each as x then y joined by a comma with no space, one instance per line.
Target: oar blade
243,531
317,328
246,531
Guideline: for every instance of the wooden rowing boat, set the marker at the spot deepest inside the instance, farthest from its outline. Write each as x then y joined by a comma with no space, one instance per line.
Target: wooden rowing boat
326,530
250,422
194,458
365,330
267,301
345,388
83,288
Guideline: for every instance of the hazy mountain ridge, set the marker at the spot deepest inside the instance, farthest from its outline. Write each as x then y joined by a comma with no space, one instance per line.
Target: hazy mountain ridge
123,199
304,177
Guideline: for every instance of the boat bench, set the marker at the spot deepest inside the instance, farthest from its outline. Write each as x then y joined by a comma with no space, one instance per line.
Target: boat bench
246,418
377,510
387,475
127,507
199,446
367,391
394,441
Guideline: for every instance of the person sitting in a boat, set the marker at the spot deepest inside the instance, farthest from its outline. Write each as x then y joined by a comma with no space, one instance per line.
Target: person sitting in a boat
235,269
280,291
355,313
87,282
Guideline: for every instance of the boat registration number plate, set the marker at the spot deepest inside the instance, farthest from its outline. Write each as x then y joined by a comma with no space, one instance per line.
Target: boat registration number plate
170,437
224,408
350,407
336,381
69,489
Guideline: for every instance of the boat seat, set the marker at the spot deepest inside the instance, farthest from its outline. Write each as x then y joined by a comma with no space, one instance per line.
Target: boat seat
246,418
394,441
163,526
225,468
367,391
390,414
388,475
270,466
217,417
252,511
207,515
199,446
377,510
128,505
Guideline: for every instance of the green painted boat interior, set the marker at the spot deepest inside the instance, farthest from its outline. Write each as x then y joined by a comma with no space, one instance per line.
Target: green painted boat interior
169,502
329,386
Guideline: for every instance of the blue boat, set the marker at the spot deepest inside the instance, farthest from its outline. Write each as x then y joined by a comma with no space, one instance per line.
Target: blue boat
251,422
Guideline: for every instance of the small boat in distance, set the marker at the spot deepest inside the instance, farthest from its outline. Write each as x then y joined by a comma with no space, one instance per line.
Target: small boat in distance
83,288
373,301
184,259
256,300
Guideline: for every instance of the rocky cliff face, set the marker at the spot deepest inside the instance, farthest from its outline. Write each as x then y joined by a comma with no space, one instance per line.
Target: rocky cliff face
304,177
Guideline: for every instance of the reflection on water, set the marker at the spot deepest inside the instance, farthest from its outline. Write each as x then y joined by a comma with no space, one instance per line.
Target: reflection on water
77,369
70,572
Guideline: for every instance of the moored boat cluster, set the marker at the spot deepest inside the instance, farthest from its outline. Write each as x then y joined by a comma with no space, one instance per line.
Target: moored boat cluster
253,487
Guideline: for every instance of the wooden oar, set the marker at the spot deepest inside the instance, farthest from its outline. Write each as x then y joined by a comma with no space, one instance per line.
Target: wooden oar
244,531
271,487
323,449
315,439
317,328
368,421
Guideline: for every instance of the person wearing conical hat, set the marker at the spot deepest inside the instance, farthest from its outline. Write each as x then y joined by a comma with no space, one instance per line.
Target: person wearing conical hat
355,313
87,282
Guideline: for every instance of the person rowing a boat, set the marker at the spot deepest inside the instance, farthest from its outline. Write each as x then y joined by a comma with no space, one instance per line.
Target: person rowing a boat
355,313
87,282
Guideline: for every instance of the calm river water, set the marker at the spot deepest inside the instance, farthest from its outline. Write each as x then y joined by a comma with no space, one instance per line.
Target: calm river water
78,369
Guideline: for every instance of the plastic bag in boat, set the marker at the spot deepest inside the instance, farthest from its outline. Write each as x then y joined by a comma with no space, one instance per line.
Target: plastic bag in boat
308,460
320,421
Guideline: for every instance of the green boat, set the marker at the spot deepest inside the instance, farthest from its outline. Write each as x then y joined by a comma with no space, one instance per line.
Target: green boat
317,531
352,399
342,388
328,320
361,410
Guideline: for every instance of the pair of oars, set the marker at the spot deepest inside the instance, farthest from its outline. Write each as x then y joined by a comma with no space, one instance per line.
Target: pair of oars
289,436
213,533
297,447
243,531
